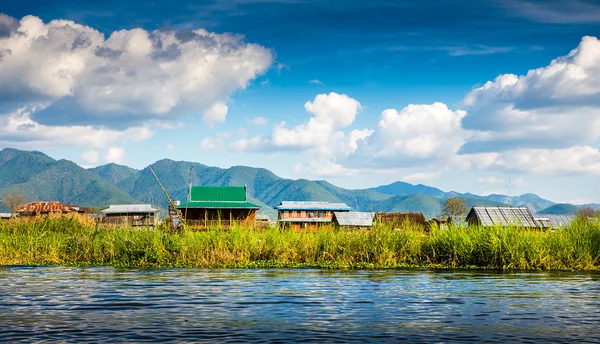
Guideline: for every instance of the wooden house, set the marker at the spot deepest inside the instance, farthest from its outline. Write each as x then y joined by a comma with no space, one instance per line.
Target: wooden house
353,219
554,220
44,208
503,217
308,215
218,207
130,215
441,222
402,219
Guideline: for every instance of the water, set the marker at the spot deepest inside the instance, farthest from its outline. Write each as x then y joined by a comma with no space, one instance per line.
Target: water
108,304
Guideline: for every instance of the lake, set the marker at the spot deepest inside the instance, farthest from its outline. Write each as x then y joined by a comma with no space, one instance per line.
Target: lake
296,305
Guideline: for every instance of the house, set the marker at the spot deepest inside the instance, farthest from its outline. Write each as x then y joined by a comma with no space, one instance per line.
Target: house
7,216
554,221
402,219
308,215
502,216
441,222
218,206
130,215
44,208
353,219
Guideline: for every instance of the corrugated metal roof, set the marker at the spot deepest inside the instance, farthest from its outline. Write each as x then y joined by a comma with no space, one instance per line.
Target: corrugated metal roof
359,219
218,193
129,209
46,207
288,205
503,216
557,221
219,205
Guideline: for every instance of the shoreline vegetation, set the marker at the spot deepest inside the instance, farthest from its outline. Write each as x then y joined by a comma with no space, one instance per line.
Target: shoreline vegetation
75,240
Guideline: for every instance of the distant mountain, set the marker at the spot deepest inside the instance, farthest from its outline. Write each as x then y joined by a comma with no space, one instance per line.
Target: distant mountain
114,173
41,178
402,188
561,209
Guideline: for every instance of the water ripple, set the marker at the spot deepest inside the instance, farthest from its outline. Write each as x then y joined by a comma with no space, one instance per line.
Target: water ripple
49,304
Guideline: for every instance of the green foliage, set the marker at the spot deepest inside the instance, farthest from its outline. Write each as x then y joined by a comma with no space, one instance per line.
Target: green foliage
455,208
69,241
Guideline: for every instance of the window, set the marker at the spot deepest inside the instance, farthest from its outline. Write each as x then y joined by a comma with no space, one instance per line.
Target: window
294,214
320,214
303,213
311,214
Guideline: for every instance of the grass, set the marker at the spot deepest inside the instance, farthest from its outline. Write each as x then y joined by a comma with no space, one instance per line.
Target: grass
76,240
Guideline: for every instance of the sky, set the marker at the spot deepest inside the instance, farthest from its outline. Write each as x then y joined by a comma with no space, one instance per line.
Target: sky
460,95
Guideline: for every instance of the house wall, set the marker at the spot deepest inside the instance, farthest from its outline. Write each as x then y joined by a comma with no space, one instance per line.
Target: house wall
305,214
145,219
220,218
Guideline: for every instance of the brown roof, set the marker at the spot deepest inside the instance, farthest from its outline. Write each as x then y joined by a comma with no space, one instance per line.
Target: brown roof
46,207
398,218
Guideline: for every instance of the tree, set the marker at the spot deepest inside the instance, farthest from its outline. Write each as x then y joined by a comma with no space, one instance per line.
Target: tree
455,208
13,200
587,212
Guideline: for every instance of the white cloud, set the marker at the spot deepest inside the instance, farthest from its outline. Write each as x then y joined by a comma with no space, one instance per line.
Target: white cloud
551,107
281,67
421,176
215,114
259,121
169,146
91,157
315,81
115,154
489,180
17,129
131,76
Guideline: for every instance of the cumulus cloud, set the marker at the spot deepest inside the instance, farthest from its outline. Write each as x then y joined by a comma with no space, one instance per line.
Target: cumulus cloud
18,129
91,157
115,154
557,106
129,77
215,114
259,121
421,176
489,180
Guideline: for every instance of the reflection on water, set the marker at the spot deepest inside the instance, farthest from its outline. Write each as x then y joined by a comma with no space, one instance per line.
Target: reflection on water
108,304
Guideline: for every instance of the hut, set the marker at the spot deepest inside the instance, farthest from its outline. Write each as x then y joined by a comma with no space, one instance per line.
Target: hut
44,208
308,215
554,220
218,206
402,219
441,222
353,220
130,215
502,216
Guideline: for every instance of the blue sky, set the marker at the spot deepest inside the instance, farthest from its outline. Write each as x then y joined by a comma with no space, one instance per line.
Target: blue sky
213,81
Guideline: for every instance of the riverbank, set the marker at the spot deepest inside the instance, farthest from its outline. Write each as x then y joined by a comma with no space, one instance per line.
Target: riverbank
77,241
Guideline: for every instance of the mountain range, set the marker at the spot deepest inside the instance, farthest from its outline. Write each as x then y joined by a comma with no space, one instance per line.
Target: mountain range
40,178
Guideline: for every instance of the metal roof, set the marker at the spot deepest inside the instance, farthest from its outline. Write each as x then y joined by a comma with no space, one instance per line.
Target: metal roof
46,207
361,219
502,216
218,194
287,205
556,221
219,205
129,209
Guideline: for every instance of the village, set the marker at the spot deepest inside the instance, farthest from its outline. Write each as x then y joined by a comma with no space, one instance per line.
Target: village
222,207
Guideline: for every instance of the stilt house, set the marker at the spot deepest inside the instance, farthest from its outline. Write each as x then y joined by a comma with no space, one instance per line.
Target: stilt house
503,217
130,215
44,208
218,207
353,219
308,215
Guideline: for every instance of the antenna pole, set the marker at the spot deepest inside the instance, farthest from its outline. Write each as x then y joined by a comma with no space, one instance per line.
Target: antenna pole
187,198
509,191
173,211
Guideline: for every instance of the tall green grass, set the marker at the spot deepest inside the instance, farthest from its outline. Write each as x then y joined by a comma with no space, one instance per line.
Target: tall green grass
73,241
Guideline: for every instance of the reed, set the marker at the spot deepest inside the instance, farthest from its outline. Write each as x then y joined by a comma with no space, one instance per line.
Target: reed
75,240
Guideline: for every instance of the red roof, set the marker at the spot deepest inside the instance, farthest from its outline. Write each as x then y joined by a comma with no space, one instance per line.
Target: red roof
46,207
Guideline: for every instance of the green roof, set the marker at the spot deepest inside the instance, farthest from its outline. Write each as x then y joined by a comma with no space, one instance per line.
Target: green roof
218,194
219,205
219,197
